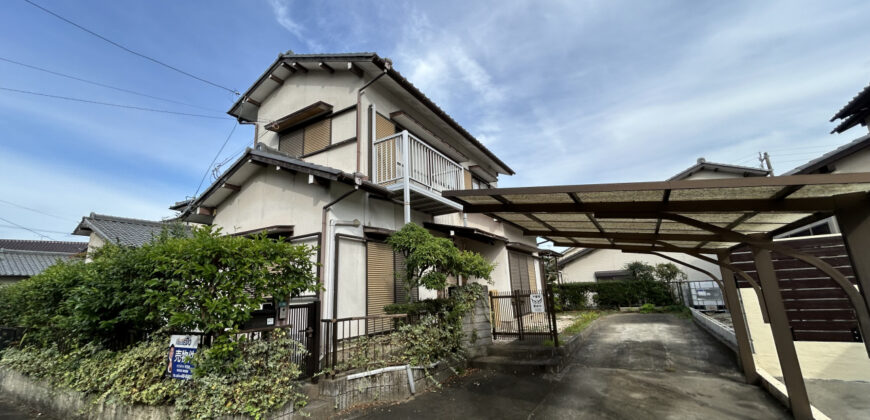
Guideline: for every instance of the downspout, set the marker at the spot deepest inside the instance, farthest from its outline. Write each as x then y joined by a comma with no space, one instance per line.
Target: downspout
323,236
359,94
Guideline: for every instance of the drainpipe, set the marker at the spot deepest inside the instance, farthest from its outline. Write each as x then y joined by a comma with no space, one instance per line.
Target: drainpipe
323,236
359,94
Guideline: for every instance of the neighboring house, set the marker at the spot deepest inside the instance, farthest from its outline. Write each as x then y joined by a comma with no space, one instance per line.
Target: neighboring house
579,265
347,151
101,228
20,259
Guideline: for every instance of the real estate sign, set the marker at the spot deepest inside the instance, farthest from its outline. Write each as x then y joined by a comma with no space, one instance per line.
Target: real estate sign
181,349
537,301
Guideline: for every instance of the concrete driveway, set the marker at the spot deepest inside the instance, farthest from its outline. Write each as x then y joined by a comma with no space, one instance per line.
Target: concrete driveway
655,366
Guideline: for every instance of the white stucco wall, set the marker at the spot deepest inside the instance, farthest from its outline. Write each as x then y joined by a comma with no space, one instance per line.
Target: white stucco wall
818,360
583,269
856,162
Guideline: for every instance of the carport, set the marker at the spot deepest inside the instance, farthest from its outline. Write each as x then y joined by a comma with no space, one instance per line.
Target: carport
707,219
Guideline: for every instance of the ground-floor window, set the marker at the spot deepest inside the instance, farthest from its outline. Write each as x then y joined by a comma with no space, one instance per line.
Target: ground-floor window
522,271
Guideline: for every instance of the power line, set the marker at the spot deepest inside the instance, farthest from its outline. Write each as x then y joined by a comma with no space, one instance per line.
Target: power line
154,60
27,229
30,66
207,170
35,210
89,101
37,230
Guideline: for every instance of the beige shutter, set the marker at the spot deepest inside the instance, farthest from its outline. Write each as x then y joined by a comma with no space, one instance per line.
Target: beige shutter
533,281
380,289
384,127
318,136
291,143
514,265
467,179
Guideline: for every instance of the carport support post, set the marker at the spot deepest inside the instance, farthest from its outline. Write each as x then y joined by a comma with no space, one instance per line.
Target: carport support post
854,224
741,330
782,336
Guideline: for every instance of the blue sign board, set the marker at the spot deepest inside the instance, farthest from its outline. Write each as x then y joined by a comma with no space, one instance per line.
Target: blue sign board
181,349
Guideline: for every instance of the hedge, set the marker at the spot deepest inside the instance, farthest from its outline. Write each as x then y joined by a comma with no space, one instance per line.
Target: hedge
573,296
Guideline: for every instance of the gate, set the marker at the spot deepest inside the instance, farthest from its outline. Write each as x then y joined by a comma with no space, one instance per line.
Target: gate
523,315
304,321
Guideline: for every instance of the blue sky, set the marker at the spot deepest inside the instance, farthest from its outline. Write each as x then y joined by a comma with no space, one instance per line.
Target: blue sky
565,92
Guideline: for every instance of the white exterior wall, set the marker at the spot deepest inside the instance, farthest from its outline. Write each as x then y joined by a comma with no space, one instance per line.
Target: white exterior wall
856,162
818,360
583,269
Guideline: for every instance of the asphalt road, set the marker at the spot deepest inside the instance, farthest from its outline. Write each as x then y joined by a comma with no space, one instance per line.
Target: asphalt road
652,366
12,410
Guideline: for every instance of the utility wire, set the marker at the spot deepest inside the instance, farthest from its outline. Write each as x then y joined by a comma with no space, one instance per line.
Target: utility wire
27,229
207,170
89,101
38,230
30,66
154,60
35,210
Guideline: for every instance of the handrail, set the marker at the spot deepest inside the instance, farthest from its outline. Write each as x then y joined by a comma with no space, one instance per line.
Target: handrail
426,166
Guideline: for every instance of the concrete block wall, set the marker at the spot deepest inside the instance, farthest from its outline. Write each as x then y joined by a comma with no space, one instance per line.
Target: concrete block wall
477,329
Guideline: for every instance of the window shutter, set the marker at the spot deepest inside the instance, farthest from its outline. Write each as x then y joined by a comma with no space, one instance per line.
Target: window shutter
514,265
467,179
533,281
384,127
291,143
380,282
318,136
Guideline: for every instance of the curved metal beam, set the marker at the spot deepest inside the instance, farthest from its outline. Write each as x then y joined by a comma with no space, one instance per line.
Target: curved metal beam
855,298
696,268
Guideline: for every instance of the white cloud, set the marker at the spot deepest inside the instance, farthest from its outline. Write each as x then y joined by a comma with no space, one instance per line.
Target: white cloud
282,15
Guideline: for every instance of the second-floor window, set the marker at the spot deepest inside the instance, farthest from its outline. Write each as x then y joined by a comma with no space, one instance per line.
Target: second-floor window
306,140
479,184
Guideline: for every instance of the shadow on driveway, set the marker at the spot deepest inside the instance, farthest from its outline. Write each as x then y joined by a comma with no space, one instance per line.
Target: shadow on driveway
632,366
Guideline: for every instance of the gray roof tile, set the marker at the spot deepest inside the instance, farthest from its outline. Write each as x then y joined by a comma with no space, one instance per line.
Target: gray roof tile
45,246
121,230
18,263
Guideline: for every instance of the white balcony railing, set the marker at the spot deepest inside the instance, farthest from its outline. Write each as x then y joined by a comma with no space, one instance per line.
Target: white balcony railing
427,167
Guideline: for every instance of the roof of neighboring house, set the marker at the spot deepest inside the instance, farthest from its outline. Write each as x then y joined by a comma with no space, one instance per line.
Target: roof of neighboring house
575,256
20,263
382,65
703,165
122,230
254,159
821,164
44,246
853,113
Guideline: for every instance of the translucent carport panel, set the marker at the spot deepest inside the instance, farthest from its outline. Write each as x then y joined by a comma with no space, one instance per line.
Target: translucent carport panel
829,190
628,225
731,193
522,220
767,222
620,196
479,199
562,217
538,198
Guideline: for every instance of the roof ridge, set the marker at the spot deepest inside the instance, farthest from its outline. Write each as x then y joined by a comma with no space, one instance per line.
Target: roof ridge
123,219
38,241
28,251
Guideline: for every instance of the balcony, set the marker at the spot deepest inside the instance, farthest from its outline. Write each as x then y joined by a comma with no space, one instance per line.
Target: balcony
405,164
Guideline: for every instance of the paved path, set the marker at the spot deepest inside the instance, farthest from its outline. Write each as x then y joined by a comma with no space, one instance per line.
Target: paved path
10,409
632,366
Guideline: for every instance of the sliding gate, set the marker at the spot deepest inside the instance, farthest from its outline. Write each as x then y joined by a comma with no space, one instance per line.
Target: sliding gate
523,315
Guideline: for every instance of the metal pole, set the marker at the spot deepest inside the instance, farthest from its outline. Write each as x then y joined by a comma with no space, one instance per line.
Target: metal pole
406,173
738,320
782,336
855,227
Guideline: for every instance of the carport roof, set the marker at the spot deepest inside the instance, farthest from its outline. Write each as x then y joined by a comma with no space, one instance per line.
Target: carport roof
687,215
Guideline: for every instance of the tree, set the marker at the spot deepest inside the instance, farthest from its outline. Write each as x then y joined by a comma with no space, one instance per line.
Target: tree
212,283
430,260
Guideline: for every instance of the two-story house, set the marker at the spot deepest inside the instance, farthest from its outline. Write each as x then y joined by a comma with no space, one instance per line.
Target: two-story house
346,151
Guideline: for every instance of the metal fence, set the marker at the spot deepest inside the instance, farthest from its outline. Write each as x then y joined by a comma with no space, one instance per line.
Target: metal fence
518,315
360,342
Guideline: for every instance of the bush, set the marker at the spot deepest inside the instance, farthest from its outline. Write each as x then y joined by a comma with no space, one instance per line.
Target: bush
264,380
573,296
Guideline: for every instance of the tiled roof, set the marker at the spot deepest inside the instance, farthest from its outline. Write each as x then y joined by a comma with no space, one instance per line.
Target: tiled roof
18,263
129,232
853,113
819,163
719,167
45,246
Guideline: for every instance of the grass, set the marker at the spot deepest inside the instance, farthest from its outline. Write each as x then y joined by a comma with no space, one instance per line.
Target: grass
582,319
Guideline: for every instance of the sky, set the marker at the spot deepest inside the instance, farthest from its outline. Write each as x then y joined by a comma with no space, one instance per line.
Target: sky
571,92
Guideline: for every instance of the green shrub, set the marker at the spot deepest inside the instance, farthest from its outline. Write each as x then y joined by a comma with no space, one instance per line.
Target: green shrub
263,381
647,308
573,296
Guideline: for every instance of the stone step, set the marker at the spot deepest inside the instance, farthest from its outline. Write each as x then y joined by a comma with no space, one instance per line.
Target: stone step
515,366
522,352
